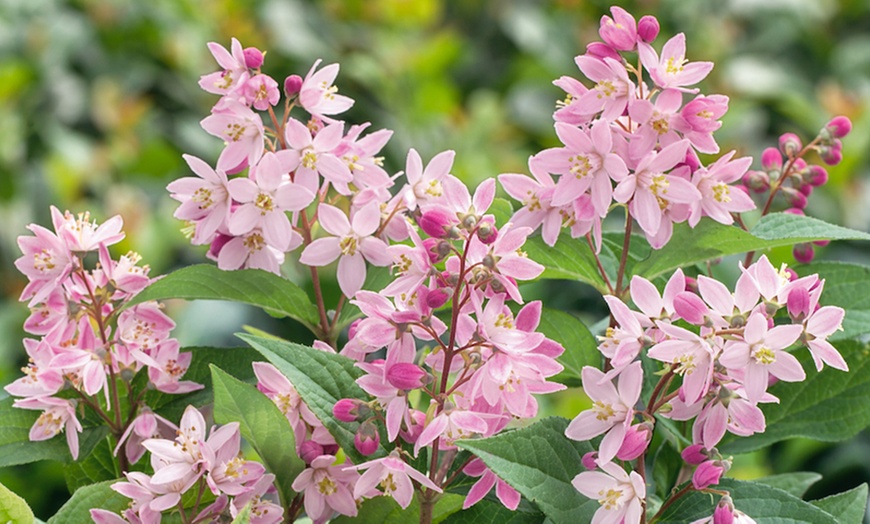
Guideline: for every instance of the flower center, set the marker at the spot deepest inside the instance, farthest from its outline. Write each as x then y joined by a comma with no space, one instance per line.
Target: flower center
309,159
764,356
722,193
326,486
254,242
603,411
610,498
264,202
348,246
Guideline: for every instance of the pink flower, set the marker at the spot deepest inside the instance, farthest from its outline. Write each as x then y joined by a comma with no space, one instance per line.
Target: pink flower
178,460
39,379
235,69
46,261
760,353
319,96
507,495
261,91
424,185
317,154
620,494
58,415
204,200
612,90
394,477
658,121
81,235
252,251
672,70
700,119
351,243
719,200
690,356
708,474
612,408
451,424
242,131
146,425
620,32
536,195
228,472
818,326
326,488
265,199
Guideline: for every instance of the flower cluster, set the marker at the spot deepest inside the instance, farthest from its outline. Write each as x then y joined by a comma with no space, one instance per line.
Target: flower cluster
632,142
88,341
193,461
727,348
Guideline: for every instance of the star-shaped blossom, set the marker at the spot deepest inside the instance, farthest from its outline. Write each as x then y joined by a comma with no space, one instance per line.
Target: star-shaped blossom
620,494
393,476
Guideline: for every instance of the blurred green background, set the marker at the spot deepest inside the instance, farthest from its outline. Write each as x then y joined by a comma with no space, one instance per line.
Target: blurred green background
99,99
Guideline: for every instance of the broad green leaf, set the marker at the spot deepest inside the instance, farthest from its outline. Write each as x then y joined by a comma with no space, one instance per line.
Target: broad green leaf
262,424
96,496
236,360
666,468
795,483
846,286
540,463
16,447
848,507
322,379
385,510
256,287
98,466
13,508
493,512
710,239
765,504
581,348
827,406
569,259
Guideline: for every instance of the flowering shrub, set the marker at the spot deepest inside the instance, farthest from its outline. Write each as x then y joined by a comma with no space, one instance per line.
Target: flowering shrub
420,392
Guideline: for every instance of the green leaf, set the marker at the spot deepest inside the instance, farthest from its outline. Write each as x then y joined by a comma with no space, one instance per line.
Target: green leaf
96,496
765,504
569,259
98,466
711,239
16,447
493,512
321,379
540,463
13,508
827,406
256,287
236,360
502,210
262,424
847,507
846,286
796,483
581,348
385,510
666,468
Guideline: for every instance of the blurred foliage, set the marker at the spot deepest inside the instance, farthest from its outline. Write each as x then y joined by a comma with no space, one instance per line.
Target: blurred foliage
98,100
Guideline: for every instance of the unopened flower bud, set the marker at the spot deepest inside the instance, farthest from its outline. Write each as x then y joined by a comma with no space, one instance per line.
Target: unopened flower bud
821,243
407,376
756,181
790,145
437,223
839,126
487,233
832,154
798,303
292,85
310,450
771,159
691,308
253,57
351,410
648,28
418,420
432,249
794,197
709,473
794,211
806,190
816,176
692,285
437,297
366,439
804,253
636,441
601,50
695,454
590,460
724,512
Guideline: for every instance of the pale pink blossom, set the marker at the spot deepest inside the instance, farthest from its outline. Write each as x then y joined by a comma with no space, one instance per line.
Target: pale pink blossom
450,425
394,476
536,195
351,243
40,379
718,199
263,509
81,235
234,73
620,494
242,131
425,184
204,199
658,121
318,95
57,415
327,488
699,119
261,91
612,90
46,261
146,425
690,356
317,154
672,70
252,251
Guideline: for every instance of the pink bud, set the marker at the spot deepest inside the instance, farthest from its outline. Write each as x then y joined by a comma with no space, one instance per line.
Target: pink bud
839,126
253,57
418,420
310,450
292,85
648,28
771,159
366,439
350,410
692,285
437,223
695,454
724,512
756,181
437,249
803,253
437,298
798,303
794,211
816,176
601,51
794,197
790,145
636,441
487,233
708,474
821,243
691,308
833,154
590,460
407,376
